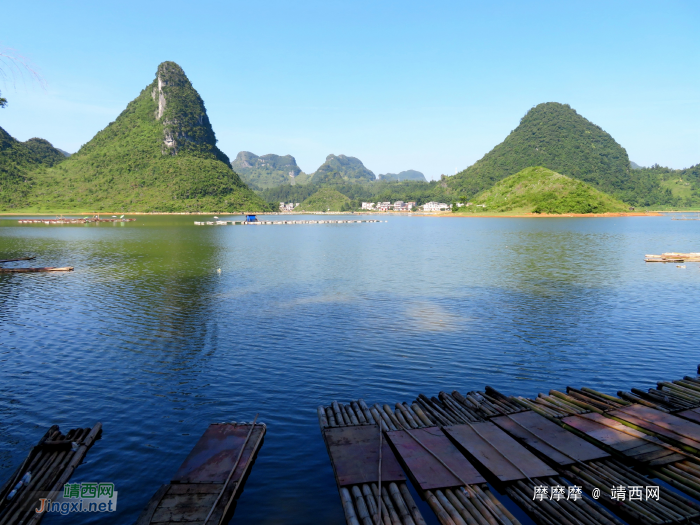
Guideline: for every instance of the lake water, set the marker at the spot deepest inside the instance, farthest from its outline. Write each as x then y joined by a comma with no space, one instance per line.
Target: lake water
146,337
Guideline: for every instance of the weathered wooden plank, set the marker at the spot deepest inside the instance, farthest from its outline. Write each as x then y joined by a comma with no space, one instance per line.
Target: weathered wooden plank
188,500
548,438
426,471
657,455
644,449
354,453
504,457
147,514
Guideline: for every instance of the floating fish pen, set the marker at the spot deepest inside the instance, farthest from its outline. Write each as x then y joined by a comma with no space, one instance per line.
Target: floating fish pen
684,217
673,257
85,220
267,223
206,487
46,469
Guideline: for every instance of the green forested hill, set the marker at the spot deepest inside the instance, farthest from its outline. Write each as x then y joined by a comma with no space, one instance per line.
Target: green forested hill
339,168
324,199
553,135
159,154
17,160
266,171
541,190
683,184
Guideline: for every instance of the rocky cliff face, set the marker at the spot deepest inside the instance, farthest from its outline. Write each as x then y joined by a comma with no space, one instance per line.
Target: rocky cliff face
182,113
266,171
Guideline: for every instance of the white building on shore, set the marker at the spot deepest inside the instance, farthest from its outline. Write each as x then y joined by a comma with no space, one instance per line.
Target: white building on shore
288,206
387,206
436,206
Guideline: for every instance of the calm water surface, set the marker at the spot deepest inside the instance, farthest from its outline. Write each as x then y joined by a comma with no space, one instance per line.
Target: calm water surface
146,337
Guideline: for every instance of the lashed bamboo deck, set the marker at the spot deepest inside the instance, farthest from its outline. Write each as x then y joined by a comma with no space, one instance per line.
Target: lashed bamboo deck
582,438
207,485
51,464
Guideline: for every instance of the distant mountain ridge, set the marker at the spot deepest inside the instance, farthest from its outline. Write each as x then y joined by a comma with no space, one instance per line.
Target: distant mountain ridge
159,154
265,171
339,168
404,175
17,161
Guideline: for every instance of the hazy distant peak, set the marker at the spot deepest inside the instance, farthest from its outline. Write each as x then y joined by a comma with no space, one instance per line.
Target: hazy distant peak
404,175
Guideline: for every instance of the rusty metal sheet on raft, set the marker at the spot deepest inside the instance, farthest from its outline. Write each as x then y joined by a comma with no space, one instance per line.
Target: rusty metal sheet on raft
212,458
692,414
354,452
608,431
504,457
550,439
650,418
427,471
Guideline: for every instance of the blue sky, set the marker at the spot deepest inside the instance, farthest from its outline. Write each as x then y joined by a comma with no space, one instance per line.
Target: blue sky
431,86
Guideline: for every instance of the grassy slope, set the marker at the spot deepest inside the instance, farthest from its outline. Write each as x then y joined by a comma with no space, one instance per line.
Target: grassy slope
683,184
541,190
324,199
123,168
553,135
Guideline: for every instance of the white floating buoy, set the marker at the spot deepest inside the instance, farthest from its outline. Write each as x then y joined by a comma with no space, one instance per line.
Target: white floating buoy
218,270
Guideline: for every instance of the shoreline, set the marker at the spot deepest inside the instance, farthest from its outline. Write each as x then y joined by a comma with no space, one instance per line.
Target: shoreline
384,214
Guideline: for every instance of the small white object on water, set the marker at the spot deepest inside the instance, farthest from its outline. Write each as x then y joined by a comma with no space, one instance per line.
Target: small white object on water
218,270
680,266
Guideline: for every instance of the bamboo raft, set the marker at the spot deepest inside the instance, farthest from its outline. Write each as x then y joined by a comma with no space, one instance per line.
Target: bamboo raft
444,476
663,445
673,257
207,485
19,259
452,444
31,270
263,223
46,469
